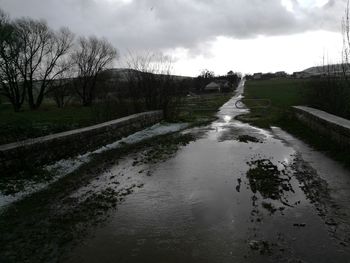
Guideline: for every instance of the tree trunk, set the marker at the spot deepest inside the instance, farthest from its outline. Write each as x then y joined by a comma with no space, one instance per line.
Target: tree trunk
29,88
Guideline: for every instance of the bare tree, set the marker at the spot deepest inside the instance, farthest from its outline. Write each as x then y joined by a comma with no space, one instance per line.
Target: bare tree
207,74
41,52
150,82
91,57
62,88
346,42
148,74
11,84
330,91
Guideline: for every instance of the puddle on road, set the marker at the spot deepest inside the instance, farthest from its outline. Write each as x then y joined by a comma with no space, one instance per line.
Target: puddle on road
240,133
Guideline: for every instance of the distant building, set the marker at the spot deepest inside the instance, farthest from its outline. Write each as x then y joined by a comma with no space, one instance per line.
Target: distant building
281,74
301,75
212,87
257,75
217,86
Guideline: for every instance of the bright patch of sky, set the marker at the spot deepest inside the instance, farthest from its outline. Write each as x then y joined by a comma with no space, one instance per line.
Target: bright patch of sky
307,4
288,4
312,3
263,54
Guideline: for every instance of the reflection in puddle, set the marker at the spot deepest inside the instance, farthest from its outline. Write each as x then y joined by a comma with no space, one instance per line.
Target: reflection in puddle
241,134
227,118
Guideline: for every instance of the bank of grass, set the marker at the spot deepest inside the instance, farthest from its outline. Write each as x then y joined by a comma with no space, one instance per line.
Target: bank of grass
17,126
27,124
202,109
48,119
283,94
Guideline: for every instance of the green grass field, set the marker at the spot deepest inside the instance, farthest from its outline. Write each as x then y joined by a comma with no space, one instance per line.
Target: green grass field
284,94
15,126
202,109
281,93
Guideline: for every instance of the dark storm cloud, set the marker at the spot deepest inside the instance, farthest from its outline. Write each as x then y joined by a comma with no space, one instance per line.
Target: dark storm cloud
164,24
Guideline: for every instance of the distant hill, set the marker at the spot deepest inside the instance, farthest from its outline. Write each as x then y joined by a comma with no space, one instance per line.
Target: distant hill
121,74
334,68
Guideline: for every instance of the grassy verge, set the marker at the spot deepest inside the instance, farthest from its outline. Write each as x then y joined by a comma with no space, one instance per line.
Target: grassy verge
16,126
283,94
202,109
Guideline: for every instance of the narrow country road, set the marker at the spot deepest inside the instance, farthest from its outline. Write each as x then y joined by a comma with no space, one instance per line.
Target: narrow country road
225,192
235,194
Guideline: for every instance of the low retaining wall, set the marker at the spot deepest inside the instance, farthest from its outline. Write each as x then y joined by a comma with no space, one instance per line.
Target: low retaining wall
61,145
334,127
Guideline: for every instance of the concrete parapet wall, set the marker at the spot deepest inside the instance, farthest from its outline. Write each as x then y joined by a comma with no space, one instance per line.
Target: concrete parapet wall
61,145
335,128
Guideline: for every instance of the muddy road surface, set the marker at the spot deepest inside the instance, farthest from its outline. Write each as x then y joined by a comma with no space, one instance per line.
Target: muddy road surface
226,192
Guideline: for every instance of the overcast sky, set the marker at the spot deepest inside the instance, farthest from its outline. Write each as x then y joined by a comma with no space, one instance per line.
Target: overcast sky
220,35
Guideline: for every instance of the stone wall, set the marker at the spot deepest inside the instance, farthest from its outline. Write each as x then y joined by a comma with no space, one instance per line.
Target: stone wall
61,145
335,128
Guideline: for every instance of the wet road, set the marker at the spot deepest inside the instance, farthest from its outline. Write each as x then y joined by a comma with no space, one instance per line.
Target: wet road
235,194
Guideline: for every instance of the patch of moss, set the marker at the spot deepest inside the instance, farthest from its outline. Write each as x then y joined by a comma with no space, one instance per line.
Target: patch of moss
248,138
265,178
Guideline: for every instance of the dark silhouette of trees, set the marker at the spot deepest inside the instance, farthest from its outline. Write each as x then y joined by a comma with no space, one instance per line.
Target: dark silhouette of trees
36,61
233,77
346,44
31,55
91,56
207,74
42,51
11,85
62,89
330,91
151,84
